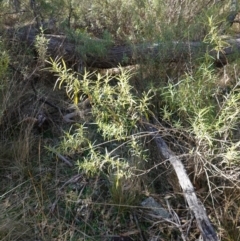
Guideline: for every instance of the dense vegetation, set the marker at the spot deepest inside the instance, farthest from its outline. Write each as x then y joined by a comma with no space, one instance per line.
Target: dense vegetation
77,162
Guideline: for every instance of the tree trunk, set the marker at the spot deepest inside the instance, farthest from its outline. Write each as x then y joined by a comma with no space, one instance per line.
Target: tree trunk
61,46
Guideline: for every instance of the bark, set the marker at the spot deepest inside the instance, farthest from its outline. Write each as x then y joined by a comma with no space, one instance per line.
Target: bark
62,46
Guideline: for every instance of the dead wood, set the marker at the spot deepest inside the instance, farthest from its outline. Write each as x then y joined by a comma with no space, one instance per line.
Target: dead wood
70,50
207,231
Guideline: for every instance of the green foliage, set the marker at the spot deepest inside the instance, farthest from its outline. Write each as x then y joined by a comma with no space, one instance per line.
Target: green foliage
195,103
205,119
96,163
85,45
116,111
66,76
72,143
193,92
213,37
193,95
115,107
201,126
41,44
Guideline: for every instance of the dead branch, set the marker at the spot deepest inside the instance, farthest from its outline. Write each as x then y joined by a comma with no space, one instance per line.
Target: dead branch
197,208
61,45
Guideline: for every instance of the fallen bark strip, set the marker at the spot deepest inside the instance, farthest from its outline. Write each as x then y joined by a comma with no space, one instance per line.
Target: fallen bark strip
203,223
113,56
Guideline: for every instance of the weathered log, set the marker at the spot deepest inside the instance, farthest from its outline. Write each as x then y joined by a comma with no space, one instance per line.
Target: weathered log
207,231
70,50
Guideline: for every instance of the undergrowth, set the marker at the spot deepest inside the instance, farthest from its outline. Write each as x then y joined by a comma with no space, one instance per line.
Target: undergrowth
84,177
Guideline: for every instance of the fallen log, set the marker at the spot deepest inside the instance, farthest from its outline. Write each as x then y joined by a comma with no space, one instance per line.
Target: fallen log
112,56
207,231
